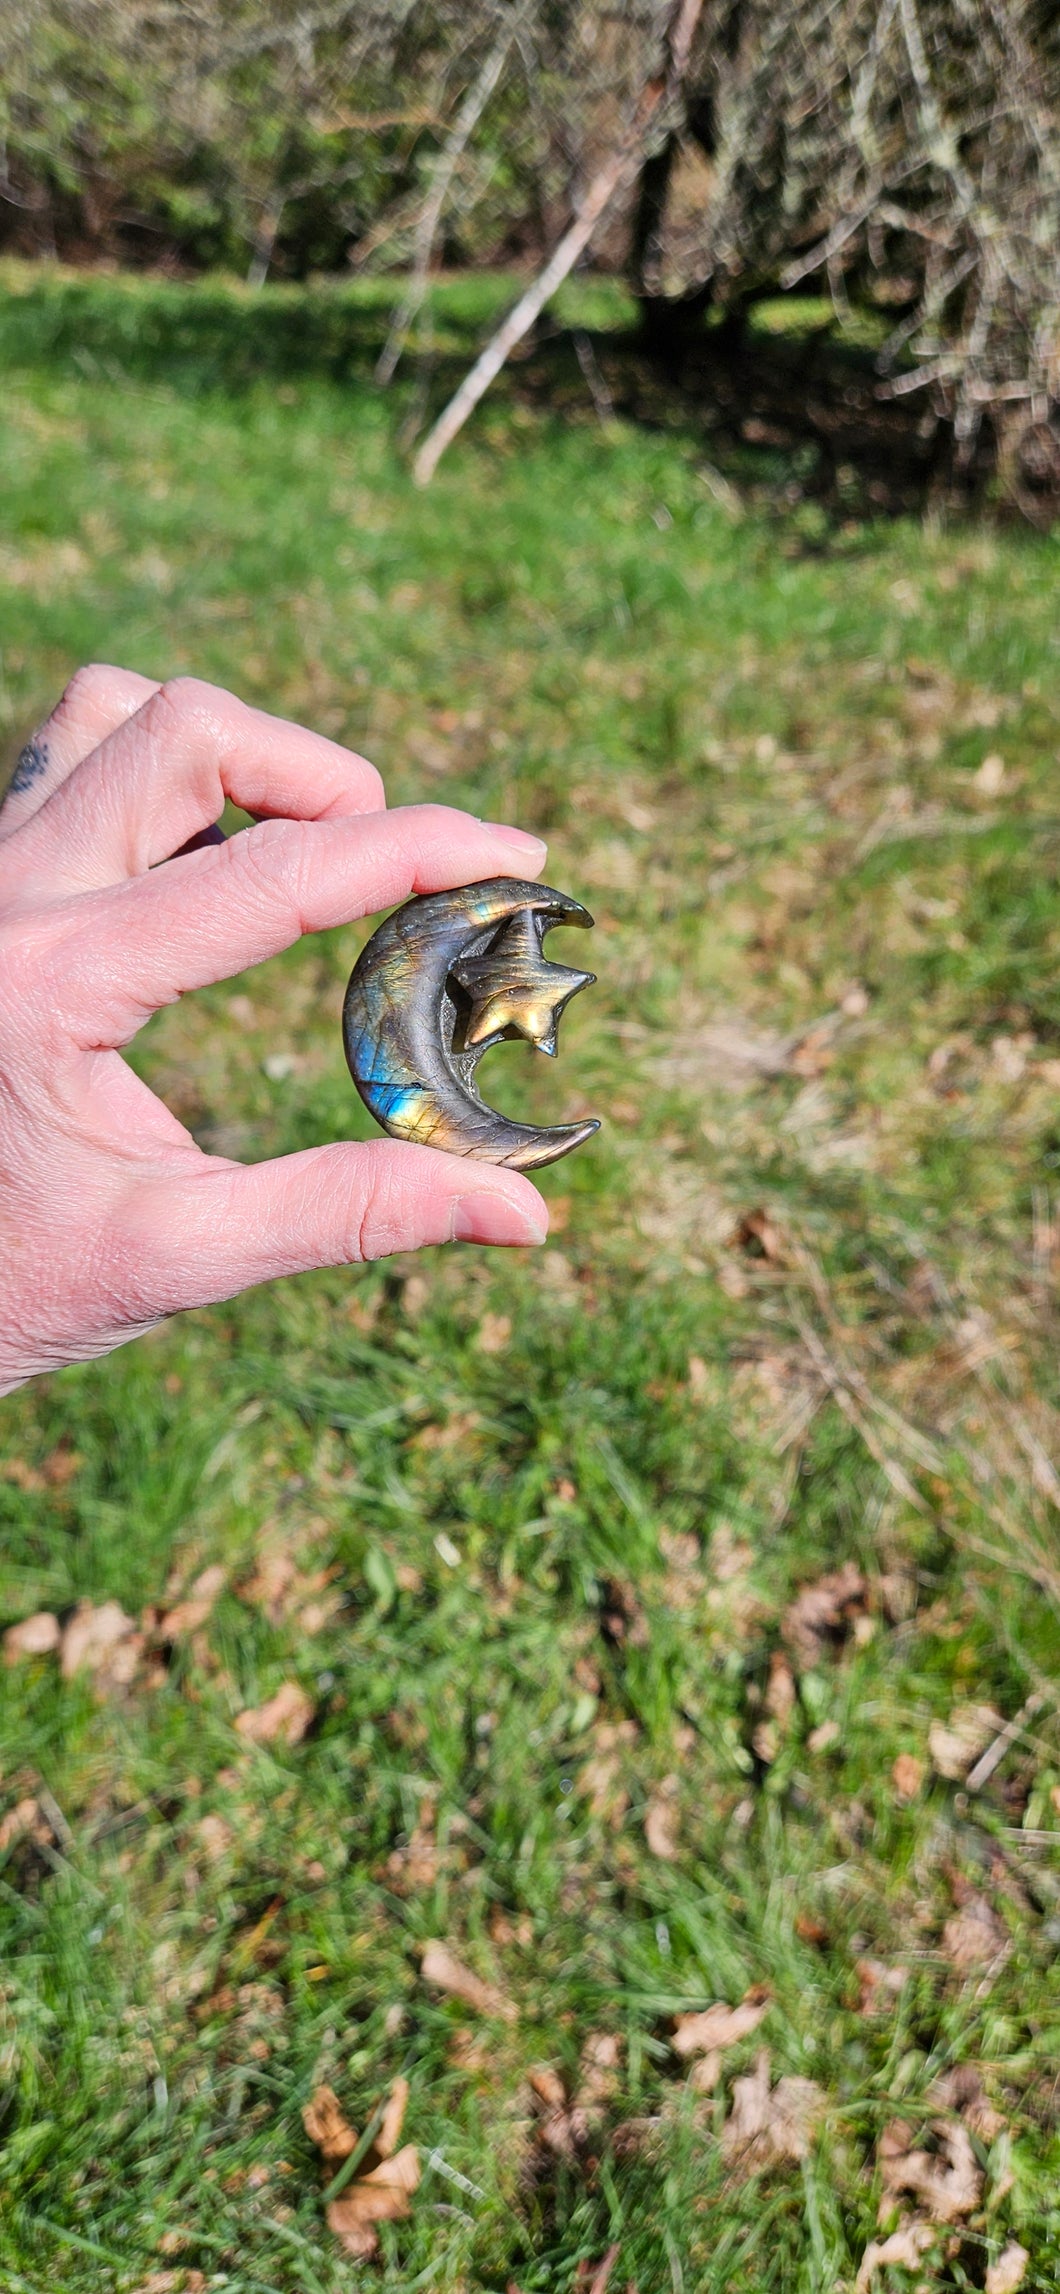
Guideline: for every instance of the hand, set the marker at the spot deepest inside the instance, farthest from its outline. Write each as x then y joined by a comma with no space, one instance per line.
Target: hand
110,1216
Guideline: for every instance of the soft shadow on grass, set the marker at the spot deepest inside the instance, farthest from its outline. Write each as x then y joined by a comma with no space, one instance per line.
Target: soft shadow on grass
530,1533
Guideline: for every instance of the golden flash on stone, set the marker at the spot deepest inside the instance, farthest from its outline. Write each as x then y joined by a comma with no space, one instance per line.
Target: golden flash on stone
515,986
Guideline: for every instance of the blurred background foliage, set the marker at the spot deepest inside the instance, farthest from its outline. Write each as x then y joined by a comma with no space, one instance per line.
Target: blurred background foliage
904,153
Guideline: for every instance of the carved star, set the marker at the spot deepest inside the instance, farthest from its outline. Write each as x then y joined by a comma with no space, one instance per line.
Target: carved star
514,986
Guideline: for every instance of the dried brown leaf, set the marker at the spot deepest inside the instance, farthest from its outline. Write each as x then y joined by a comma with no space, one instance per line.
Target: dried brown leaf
756,1233
91,1632
35,1636
190,1614
878,1985
1009,2271
662,1820
955,1745
440,1967
962,2090
393,2119
903,2250
567,2123
974,1937
381,2196
821,1614
907,1775
25,1821
216,1837
947,2180
781,1695
770,2125
594,2277
286,1716
327,2126
715,2028
598,2072
622,1620
102,1641
414,1866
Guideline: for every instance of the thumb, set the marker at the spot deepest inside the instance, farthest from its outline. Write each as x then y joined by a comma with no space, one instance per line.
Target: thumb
231,1225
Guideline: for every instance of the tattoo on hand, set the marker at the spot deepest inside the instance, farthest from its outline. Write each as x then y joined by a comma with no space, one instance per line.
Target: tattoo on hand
31,764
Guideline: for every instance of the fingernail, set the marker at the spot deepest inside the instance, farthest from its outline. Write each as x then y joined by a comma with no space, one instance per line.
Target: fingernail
493,1218
534,847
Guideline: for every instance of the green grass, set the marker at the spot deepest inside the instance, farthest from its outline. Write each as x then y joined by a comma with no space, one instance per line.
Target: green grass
758,756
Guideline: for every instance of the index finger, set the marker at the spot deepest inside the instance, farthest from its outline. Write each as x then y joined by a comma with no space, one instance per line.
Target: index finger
164,774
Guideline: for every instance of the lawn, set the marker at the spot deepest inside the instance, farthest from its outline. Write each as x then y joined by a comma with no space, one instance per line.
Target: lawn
648,1611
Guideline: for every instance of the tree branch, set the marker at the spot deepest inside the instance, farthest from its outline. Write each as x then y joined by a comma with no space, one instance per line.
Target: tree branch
617,171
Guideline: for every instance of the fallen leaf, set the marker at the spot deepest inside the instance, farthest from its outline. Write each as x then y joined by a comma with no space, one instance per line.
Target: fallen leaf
102,1641
327,2126
567,2122
904,2248
189,1615
974,1937
36,1636
684,1583
493,1333
287,1715
712,2029
440,1967
947,2180
268,1587
393,2119
216,1837
781,1696
768,2126
756,1234
822,1614
1008,2272
598,2071
622,1620
907,1775
662,1820
23,1476
594,2277
26,1821
962,2090
381,2196
955,1745
414,1866
878,1985
600,1778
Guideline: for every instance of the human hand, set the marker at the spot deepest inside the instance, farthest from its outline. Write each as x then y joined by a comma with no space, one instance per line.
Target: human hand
110,1216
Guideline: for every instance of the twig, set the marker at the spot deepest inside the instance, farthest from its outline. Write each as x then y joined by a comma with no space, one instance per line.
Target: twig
598,390
616,172
995,1752
449,158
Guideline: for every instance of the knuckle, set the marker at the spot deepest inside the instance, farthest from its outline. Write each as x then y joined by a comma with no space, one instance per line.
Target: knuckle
275,857
90,687
386,1215
28,987
195,705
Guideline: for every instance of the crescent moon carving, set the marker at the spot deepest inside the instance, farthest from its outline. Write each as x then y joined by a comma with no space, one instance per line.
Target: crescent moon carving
440,981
